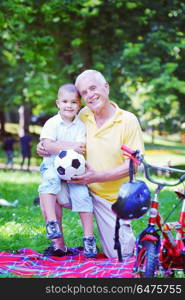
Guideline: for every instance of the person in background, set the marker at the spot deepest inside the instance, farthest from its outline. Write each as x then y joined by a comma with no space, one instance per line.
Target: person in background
26,144
8,147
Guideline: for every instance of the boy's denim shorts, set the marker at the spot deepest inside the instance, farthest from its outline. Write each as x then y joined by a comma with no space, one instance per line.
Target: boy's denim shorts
50,180
80,198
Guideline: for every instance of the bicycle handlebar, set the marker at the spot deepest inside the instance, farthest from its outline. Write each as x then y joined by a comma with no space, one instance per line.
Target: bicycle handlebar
136,157
127,149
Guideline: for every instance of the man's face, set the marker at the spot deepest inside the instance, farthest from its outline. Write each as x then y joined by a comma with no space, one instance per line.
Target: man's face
94,92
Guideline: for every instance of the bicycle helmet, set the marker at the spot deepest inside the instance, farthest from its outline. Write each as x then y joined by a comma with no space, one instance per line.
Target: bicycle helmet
133,200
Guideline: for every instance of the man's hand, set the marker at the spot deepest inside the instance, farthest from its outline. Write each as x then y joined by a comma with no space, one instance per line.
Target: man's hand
41,150
90,176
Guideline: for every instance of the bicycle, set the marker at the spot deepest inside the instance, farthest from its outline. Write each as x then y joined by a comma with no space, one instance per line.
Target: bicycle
158,251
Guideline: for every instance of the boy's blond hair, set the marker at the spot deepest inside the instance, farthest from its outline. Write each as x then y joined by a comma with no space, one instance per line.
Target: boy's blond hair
68,87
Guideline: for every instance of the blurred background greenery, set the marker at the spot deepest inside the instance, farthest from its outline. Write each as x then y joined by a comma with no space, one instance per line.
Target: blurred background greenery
139,46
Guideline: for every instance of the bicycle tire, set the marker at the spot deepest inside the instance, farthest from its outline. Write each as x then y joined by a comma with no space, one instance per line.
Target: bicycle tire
147,260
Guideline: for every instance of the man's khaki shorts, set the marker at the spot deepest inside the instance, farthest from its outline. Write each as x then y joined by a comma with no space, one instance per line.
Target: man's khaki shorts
106,220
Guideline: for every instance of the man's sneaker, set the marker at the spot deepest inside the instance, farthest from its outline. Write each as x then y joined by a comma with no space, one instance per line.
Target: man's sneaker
51,251
90,249
53,230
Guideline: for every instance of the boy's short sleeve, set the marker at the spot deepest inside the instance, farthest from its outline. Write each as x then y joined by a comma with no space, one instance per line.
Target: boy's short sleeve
49,131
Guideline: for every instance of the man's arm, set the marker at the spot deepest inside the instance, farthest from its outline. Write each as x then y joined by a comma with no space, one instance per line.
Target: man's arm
92,176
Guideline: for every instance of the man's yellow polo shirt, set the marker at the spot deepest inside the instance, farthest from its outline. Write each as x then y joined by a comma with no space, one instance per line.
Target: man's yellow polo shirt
103,146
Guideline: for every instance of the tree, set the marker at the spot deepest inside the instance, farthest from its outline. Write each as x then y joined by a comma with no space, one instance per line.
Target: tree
138,45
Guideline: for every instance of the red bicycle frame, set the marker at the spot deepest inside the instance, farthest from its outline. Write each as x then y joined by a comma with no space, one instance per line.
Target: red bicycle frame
170,252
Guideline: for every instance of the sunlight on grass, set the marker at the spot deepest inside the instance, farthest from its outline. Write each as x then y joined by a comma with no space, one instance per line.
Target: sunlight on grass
165,158
19,176
11,228
171,140
14,128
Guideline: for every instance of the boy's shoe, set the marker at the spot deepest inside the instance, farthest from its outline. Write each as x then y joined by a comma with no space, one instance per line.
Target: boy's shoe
90,249
51,251
53,230
48,250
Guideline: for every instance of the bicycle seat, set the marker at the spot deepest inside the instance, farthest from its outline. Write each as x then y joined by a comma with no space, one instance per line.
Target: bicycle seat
180,193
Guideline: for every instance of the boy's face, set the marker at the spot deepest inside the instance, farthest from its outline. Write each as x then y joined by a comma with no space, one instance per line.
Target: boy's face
69,104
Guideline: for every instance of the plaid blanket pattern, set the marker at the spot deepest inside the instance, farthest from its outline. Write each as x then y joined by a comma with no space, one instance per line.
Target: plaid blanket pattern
28,263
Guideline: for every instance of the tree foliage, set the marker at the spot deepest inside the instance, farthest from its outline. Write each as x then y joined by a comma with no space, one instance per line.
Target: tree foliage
138,46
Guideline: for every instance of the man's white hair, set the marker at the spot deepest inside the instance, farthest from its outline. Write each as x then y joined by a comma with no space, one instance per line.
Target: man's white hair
94,73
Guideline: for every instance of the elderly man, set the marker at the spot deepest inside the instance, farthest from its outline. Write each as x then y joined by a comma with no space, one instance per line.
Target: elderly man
108,127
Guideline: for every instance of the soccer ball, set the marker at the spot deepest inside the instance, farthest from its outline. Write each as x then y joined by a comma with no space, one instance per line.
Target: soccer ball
69,163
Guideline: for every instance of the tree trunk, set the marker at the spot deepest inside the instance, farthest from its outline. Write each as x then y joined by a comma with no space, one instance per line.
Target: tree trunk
2,122
24,119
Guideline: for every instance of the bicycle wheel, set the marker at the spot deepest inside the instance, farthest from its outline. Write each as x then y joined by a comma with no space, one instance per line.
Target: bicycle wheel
147,260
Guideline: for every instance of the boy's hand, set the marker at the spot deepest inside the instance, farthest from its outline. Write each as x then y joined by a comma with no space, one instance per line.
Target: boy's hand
41,150
80,148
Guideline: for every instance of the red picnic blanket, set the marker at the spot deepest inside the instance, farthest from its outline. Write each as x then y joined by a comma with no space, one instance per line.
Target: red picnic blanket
28,263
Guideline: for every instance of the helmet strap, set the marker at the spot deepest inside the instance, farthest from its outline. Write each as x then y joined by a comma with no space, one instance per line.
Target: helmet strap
117,245
131,170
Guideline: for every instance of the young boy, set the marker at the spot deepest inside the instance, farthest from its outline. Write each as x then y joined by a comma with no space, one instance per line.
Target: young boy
65,126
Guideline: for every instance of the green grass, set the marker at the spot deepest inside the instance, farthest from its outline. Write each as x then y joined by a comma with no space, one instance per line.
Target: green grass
165,150
23,226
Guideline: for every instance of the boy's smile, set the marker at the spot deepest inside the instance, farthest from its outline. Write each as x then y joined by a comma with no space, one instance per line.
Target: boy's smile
69,105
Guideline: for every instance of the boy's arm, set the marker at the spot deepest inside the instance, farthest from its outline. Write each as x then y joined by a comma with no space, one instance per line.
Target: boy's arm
49,145
54,147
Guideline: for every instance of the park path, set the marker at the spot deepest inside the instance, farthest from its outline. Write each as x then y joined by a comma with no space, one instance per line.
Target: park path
17,167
